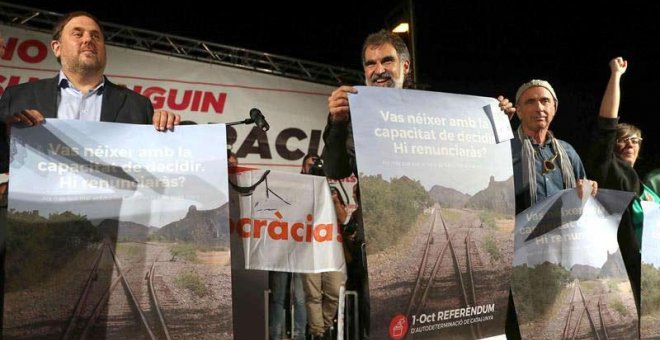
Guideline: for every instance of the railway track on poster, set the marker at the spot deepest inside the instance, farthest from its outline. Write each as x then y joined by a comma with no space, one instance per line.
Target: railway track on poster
587,317
447,265
139,314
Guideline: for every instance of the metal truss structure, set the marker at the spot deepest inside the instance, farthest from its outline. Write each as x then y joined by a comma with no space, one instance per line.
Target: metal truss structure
203,51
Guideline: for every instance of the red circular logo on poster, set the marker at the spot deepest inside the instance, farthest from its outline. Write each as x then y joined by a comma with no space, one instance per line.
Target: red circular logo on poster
398,327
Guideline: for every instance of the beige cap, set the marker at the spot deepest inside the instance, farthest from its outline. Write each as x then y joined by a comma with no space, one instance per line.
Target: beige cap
537,83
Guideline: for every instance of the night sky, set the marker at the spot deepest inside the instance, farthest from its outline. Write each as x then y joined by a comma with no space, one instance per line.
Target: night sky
480,48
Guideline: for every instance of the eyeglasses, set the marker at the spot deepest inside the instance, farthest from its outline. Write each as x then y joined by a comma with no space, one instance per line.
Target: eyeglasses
634,140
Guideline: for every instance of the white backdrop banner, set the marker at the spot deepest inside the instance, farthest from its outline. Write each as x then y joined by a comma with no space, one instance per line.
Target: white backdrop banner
295,110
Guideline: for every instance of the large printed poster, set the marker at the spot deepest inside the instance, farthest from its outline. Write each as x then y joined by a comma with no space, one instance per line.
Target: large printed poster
569,279
118,231
650,290
438,202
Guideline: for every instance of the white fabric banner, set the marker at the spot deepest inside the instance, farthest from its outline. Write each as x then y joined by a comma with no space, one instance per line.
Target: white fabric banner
287,222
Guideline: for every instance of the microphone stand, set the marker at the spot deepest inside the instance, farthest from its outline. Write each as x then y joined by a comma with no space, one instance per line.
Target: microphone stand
256,117
245,121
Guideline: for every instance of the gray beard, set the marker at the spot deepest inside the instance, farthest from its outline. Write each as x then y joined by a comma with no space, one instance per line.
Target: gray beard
86,67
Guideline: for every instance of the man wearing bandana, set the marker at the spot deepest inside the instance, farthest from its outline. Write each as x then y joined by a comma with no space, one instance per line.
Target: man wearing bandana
542,163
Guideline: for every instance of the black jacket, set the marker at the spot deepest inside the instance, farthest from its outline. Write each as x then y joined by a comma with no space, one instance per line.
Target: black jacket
339,153
119,105
611,172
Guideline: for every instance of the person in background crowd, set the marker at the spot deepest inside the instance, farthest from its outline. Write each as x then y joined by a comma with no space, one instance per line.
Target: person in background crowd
2,45
4,177
321,289
232,160
652,180
279,284
340,205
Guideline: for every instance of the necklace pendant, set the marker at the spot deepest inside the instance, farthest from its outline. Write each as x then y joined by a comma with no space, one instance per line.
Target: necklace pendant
548,166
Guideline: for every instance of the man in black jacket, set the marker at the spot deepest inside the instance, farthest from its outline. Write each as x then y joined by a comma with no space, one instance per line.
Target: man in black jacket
386,63
80,91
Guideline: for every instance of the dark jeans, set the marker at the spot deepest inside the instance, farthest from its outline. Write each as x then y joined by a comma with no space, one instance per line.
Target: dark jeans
511,327
358,280
279,285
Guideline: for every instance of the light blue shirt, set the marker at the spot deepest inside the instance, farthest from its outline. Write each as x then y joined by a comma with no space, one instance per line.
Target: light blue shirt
73,104
547,183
